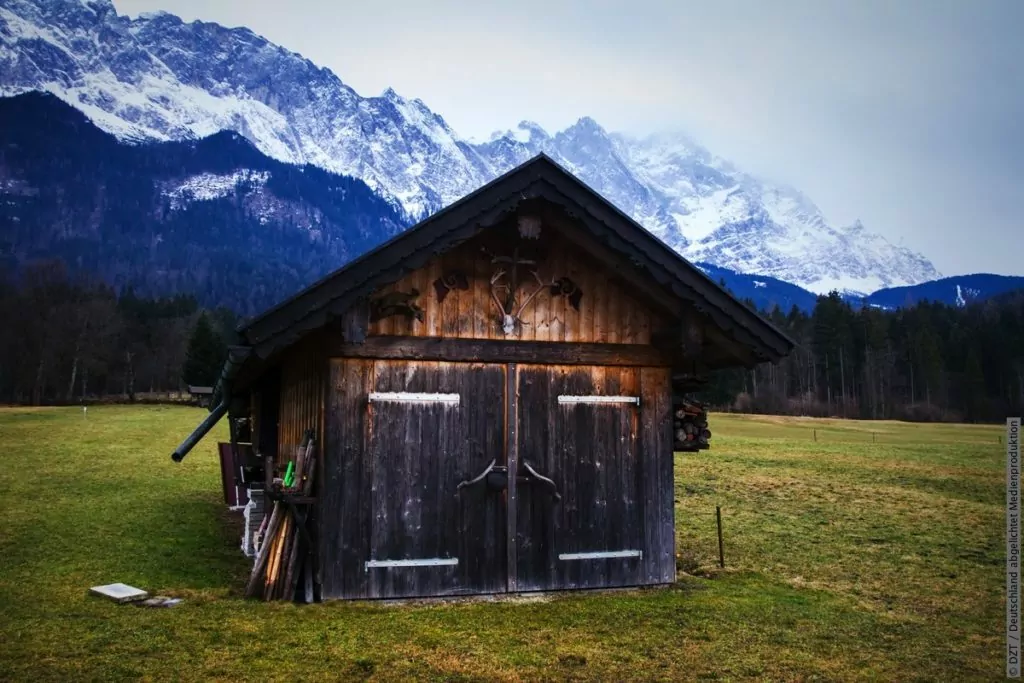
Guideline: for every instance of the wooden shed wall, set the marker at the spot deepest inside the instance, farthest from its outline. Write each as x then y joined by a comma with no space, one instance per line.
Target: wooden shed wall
608,312
303,372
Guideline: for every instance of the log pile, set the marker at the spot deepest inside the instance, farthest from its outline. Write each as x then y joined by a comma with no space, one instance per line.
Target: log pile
690,426
284,560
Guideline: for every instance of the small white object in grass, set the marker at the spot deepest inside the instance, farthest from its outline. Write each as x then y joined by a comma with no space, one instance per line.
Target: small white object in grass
119,592
158,601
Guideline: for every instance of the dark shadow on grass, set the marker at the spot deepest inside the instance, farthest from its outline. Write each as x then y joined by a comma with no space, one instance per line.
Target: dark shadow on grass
969,487
193,542
161,541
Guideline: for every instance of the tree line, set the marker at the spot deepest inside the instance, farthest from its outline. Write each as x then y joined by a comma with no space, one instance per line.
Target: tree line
68,339
930,362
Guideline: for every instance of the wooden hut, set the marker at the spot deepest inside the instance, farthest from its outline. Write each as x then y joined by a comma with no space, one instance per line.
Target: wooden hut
492,392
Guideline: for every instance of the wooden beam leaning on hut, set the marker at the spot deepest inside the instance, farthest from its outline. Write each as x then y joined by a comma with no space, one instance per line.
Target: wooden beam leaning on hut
287,550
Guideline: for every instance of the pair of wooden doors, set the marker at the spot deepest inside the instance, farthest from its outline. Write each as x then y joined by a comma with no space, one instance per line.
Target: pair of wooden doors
461,478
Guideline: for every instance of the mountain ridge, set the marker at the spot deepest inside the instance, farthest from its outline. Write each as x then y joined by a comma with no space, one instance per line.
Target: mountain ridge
217,219
214,218
158,77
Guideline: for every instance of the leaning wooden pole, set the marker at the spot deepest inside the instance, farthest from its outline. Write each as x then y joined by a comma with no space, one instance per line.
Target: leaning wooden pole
275,560
282,558
264,554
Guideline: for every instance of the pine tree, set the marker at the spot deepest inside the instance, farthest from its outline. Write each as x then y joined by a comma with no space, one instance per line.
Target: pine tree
974,386
205,355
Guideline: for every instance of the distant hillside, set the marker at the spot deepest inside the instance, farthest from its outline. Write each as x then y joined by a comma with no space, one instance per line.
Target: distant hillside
214,217
765,292
157,77
959,290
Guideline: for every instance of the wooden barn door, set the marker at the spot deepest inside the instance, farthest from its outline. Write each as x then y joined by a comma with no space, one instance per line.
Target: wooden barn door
597,434
588,502
405,528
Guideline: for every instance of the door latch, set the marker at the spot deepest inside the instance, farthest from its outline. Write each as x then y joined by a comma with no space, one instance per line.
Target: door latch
494,476
542,479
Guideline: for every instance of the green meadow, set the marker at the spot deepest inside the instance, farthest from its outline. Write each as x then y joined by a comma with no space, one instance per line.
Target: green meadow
854,550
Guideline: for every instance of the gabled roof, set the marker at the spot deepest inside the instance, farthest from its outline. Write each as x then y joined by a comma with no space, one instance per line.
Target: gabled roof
538,178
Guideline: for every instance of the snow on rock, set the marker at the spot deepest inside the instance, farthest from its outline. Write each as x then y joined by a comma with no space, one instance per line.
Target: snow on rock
156,77
207,186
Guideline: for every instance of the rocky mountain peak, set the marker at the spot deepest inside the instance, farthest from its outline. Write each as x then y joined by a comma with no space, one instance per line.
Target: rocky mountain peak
158,78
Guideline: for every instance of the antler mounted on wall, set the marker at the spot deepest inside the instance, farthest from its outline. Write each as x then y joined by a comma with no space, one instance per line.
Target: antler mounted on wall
511,320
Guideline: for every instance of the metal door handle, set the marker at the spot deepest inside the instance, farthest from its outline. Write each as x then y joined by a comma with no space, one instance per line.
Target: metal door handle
477,479
544,480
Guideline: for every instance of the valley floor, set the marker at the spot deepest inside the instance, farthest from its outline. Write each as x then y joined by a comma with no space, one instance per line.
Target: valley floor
846,559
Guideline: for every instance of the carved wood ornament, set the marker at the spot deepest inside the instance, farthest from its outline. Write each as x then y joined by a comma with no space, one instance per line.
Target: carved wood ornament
453,279
514,286
396,303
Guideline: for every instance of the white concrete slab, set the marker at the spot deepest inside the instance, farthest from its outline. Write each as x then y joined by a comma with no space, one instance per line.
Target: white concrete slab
119,592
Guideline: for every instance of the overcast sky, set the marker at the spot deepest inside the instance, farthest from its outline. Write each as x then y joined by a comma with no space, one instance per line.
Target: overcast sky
906,115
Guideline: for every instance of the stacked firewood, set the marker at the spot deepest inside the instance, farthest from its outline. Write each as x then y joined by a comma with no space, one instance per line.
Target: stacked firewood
691,426
284,558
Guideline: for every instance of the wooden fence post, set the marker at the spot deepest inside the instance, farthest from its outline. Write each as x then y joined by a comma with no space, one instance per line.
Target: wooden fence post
721,549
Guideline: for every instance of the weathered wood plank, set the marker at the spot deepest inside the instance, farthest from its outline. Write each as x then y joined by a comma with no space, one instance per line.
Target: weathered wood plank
608,461
432,309
471,313
556,304
476,270
300,398
339,500
600,298
355,322
586,278
501,351
512,462
657,476
414,455
592,451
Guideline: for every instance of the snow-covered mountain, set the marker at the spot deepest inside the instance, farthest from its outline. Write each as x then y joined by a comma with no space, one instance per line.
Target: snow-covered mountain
212,218
156,77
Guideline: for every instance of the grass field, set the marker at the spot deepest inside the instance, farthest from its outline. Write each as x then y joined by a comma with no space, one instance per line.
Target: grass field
845,561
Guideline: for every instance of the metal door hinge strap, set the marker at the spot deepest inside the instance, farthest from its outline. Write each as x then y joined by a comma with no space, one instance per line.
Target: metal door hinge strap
411,397
602,556
635,400
426,562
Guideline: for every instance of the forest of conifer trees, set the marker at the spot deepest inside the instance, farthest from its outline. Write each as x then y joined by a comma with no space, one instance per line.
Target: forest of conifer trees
67,340
930,362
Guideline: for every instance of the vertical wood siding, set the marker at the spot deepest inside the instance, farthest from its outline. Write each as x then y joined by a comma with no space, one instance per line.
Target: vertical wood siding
392,471
391,478
608,312
613,466
302,391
